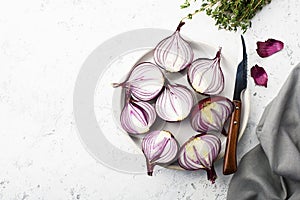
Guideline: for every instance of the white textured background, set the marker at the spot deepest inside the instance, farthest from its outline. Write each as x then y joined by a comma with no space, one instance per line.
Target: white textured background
42,46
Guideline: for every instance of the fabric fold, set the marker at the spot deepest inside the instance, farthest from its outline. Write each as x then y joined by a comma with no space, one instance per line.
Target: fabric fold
271,170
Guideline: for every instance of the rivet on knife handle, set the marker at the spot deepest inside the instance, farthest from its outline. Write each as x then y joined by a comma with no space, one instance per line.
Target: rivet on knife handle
230,163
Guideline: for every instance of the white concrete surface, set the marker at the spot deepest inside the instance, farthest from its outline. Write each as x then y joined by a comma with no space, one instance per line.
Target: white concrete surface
43,44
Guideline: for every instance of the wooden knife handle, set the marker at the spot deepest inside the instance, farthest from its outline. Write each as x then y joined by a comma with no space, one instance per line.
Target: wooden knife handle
230,164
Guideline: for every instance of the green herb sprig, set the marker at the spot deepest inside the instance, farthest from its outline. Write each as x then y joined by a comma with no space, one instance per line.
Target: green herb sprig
229,14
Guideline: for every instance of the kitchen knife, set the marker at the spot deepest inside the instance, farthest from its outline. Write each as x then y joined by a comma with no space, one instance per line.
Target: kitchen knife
230,163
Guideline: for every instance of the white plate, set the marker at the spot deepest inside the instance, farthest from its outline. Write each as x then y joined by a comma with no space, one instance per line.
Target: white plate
98,124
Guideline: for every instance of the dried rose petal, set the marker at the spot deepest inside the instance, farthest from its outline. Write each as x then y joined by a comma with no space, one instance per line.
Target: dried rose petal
269,47
259,75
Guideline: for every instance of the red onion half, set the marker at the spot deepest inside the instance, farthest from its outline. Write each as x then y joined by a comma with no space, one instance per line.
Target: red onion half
174,103
145,81
210,114
137,117
173,53
159,147
200,152
206,76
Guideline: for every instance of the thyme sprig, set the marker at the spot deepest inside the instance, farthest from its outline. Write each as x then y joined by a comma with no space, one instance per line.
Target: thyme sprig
228,14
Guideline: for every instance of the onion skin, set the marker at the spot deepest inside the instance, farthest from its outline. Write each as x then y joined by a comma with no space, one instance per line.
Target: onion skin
159,147
210,114
206,76
145,81
269,47
174,53
200,152
259,75
174,103
137,117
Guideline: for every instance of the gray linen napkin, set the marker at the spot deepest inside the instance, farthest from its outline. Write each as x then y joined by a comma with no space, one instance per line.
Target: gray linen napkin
271,170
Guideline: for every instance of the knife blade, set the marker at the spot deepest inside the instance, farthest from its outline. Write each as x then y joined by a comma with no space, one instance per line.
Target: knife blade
230,163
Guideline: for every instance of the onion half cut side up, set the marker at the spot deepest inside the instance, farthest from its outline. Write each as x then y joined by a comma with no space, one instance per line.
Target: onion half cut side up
145,81
200,152
174,54
206,76
137,117
210,114
174,103
159,148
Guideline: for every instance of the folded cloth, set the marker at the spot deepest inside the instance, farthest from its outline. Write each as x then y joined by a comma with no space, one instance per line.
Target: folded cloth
271,170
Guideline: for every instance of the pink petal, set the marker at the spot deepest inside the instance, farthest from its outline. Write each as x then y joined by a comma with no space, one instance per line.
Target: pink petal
269,47
259,75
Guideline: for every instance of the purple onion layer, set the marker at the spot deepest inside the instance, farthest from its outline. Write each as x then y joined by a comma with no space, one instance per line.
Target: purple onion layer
269,47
